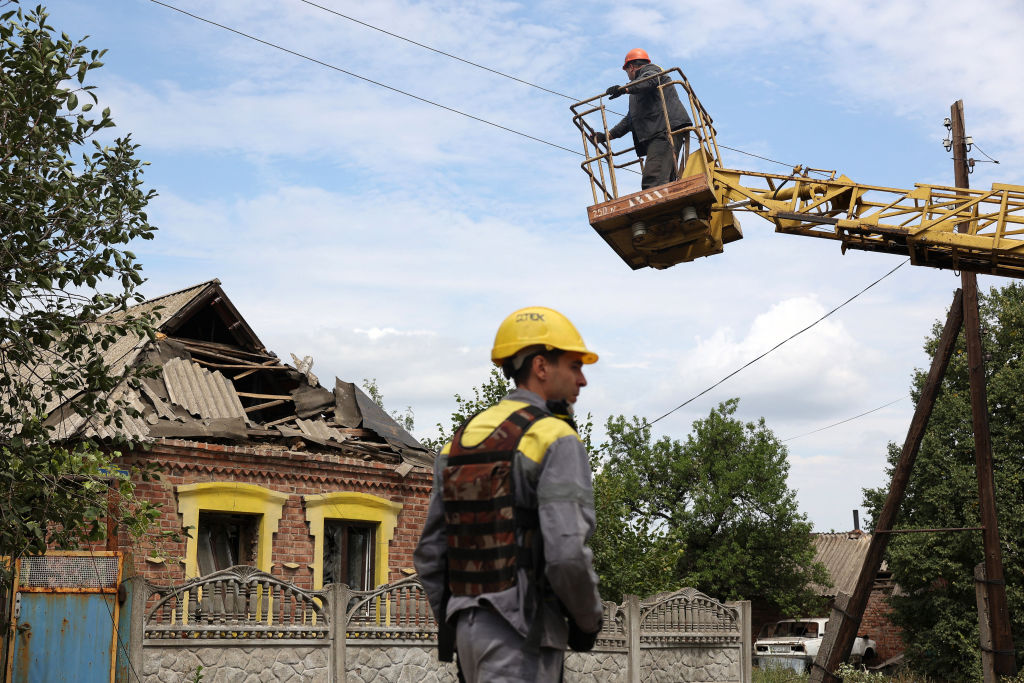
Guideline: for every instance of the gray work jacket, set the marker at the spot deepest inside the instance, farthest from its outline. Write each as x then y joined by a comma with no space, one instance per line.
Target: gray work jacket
645,118
551,473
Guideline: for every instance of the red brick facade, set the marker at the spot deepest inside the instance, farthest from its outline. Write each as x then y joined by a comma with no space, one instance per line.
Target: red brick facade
876,624
295,473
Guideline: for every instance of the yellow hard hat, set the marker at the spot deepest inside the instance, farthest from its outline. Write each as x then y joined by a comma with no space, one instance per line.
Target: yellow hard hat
537,325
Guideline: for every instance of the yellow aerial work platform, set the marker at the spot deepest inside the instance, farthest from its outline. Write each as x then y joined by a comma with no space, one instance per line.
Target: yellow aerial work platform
695,215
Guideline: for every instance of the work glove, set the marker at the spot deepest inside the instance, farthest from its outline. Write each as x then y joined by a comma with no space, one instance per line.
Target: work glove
614,91
580,640
598,138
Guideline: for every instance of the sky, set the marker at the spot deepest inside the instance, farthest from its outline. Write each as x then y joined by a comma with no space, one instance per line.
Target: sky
387,238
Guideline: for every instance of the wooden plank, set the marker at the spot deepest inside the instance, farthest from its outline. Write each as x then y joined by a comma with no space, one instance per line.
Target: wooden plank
215,354
355,431
282,421
225,348
269,397
249,372
261,406
239,366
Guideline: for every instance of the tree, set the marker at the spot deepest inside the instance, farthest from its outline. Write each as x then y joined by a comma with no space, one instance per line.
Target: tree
492,390
65,282
713,512
936,606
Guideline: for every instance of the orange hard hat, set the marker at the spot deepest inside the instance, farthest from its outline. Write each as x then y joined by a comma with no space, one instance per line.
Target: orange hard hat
635,54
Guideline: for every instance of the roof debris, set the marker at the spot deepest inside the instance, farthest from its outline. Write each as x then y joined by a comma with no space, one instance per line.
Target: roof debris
217,381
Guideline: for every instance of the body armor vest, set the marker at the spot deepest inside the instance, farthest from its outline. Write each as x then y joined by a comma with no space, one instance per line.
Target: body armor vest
480,509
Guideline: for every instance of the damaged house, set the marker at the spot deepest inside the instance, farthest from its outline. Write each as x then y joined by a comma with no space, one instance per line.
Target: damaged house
260,463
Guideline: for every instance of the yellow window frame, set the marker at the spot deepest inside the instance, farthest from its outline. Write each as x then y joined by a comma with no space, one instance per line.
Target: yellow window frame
234,497
353,507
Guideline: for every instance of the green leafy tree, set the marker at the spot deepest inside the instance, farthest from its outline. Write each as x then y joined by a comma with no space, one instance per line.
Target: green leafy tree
936,607
713,512
68,206
492,390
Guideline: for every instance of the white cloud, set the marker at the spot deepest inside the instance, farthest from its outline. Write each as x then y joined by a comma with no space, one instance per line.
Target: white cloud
375,333
387,238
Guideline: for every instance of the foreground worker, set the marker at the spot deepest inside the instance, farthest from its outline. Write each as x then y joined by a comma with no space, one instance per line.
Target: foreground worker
646,119
503,555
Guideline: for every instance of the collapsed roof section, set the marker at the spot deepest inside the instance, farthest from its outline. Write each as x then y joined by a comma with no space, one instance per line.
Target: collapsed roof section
216,381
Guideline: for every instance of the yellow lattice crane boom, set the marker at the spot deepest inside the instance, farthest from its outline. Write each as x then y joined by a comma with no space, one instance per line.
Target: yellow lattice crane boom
696,215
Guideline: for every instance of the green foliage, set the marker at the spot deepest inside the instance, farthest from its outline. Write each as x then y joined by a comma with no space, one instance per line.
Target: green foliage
63,263
493,389
937,609
713,512
779,675
406,420
851,674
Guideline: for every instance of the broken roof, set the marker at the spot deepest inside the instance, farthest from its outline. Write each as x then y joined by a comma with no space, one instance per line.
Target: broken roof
216,380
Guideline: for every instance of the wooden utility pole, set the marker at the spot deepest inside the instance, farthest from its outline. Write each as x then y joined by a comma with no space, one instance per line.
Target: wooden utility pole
997,640
835,651
995,583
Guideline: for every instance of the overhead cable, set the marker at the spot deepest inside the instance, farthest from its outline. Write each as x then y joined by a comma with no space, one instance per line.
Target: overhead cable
440,52
787,339
364,78
756,156
507,129
849,419
495,71
417,97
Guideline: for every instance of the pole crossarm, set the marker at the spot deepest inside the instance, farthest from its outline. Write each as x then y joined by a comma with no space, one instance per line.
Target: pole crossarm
920,223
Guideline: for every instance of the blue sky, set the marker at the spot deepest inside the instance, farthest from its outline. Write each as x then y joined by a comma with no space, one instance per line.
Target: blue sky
387,238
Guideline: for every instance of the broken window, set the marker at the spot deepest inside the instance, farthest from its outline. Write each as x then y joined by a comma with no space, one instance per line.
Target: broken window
348,553
225,540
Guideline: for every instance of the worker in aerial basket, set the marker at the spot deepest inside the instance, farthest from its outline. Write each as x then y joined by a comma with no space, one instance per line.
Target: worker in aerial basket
503,556
646,119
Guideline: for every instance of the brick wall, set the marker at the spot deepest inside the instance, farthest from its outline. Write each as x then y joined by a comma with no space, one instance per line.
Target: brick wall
296,473
876,624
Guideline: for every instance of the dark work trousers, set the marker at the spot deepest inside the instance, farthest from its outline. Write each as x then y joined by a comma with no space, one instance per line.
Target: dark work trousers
491,651
660,164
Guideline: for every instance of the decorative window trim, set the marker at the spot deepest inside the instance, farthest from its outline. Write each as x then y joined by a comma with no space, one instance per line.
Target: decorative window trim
230,497
354,507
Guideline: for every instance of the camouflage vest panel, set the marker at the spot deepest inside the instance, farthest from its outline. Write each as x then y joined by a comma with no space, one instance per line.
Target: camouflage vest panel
480,509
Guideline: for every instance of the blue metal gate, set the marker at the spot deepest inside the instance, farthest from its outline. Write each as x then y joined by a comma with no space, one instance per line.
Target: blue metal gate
65,618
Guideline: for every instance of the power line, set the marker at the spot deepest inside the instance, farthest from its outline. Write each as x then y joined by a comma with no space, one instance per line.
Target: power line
849,419
440,52
496,71
417,97
787,339
364,78
757,156
507,129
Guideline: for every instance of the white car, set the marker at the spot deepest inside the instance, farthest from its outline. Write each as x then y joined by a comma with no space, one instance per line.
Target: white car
793,644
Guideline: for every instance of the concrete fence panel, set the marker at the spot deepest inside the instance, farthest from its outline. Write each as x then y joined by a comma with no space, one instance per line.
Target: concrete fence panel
244,625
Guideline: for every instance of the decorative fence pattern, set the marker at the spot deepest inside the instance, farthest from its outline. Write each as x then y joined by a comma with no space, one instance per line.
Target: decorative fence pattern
240,602
242,624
